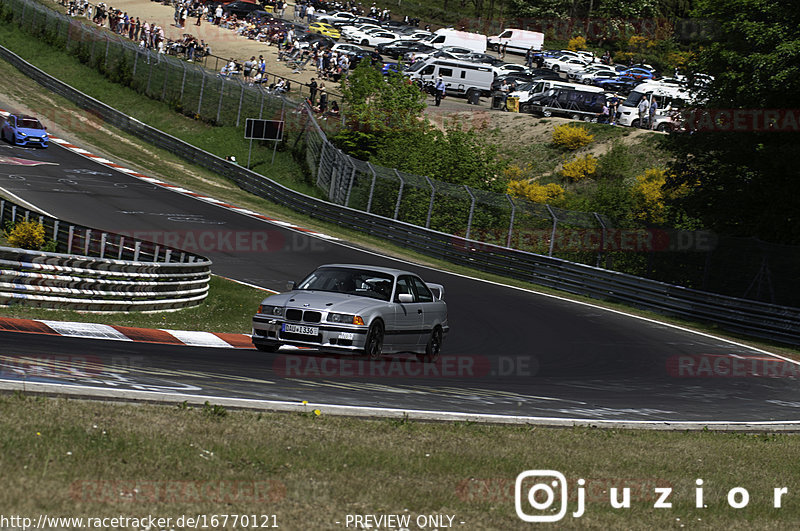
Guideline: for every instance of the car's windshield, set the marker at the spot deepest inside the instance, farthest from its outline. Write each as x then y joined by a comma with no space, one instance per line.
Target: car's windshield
30,123
362,282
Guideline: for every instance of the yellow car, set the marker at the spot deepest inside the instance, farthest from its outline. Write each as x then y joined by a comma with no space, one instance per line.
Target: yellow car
324,29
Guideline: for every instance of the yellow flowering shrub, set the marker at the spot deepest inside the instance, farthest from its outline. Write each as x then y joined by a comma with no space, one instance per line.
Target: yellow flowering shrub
580,168
538,193
26,235
576,43
649,194
571,136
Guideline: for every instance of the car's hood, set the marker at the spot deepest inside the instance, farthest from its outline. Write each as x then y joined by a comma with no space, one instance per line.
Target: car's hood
32,132
323,301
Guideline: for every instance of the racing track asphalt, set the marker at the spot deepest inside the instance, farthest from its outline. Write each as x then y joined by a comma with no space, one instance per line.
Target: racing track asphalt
510,351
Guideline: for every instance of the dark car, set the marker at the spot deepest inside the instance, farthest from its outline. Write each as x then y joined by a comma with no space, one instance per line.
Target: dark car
240,8
485,58
307,40
619,84
397,49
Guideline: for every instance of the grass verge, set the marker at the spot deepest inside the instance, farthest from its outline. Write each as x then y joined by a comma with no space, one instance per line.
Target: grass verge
75,124
76,458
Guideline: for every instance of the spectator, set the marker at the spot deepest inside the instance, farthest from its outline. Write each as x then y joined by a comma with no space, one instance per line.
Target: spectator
312,89
218,15
653,111
440,90
642,108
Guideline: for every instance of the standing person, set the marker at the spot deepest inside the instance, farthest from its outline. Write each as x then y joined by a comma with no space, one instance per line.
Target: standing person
323,100
613,105
440,90
312,89
642,108
310,13
539,61
529,58
201,14
218,15
503,48
653,111
184,15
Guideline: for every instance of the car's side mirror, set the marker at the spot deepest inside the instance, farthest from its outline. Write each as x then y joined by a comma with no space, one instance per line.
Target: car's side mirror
290,285
405,297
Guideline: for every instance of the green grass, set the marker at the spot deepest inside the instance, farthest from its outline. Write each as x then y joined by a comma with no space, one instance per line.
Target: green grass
74,458
229,307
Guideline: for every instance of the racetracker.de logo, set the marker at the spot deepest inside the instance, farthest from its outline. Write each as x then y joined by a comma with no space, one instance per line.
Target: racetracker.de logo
730,366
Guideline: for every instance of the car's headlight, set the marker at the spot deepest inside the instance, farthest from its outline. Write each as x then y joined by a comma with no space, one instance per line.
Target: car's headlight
20,133
270,310
346,318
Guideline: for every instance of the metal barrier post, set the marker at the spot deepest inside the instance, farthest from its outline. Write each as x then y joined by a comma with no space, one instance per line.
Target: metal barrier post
121,247
56,223
136,250
352,180
471,209
70,238
430,204
239,112
86,238
108,44
221,94
511,222
103,238
399,194
202,87
321,158
552,234
168,255
183,81
372,186
602,250
164,88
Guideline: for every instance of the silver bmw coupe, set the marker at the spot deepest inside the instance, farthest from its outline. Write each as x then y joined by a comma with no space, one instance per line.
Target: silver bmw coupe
359,309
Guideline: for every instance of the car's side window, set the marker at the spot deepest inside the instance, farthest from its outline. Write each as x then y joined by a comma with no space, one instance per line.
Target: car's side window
403,287
423,293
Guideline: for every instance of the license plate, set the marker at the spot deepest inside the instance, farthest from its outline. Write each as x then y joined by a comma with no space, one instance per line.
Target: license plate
298,329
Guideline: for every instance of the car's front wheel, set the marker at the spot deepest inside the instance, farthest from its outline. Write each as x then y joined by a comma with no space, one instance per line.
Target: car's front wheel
374,343
268,348
434,347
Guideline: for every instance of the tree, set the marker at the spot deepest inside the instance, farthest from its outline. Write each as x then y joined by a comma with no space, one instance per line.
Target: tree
745,183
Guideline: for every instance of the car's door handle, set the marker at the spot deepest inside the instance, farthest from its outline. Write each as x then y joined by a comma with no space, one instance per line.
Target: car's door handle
419,311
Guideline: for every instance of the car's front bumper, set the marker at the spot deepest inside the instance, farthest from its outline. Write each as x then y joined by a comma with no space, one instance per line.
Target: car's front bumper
269,330
30,141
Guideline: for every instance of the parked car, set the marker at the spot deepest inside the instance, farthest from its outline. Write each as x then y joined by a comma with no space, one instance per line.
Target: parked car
640,74
307,40
357,309
565,63
339,18
482,58
24,130
374,38
324,29
400,47
241,8
343,47
587,78
508,68
619,84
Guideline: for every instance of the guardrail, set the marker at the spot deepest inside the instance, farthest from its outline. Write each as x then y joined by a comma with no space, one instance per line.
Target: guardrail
768,321
112,272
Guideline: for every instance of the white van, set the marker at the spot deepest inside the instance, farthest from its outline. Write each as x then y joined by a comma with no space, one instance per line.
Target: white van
450,37
670,98
460,77
517,40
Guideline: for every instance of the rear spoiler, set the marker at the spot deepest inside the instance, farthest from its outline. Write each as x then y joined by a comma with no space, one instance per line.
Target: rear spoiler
437,289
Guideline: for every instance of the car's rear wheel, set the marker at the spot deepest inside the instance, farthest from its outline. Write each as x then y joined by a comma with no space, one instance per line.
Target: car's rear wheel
556,68
365,42
373,346
547,113
663,127
434,347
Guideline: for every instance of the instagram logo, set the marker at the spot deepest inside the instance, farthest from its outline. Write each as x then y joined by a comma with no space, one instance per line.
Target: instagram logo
537,491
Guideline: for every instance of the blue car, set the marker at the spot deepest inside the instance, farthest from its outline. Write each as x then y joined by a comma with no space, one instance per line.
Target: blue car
391,68
24,131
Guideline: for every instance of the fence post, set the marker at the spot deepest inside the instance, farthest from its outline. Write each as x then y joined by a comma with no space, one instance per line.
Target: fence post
321,158
261,109
149,74
135,61
56,224
601,252
239,112
137,248
350,184
70,238
399,194
372,187
471,210
202,87
121,247
183,81
108,45
511,223
103,238
14,214
168,256
164,88
430,204
221,94
552,234
86,238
